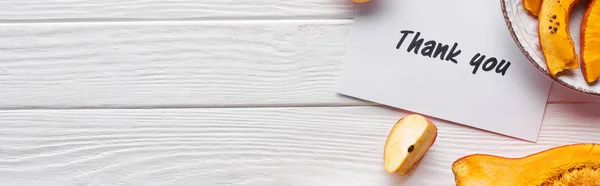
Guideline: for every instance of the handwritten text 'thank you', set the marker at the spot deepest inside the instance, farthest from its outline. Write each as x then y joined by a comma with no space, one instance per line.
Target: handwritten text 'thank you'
434,49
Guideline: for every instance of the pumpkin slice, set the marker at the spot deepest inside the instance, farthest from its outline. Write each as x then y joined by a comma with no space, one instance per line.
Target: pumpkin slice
532,6
555,39
590,42
408,141
576,164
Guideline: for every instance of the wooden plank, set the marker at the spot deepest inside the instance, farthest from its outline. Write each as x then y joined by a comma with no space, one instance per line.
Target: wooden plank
247,146
72,10
181,64
166,64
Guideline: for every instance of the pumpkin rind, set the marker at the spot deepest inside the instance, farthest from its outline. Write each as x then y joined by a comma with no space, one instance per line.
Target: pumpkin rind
590,42
555,39
564,165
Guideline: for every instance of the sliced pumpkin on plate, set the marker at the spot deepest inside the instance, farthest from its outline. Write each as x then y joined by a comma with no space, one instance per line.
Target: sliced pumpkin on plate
555,39
590,42
532,6
576,164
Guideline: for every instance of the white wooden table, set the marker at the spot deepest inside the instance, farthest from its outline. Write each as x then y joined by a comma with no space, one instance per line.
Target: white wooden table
225,92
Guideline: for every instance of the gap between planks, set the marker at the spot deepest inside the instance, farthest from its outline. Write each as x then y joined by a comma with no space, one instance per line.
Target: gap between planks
150,20
258,106
190,107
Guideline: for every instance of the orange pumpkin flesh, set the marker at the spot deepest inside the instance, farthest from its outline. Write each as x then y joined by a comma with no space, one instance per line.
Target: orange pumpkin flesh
555,39
532,6
577,164
590,42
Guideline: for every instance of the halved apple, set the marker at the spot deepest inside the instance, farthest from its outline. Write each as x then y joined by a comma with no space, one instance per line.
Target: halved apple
408,141
590,42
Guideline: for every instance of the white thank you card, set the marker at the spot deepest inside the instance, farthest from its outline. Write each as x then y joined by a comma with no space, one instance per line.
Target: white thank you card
453,60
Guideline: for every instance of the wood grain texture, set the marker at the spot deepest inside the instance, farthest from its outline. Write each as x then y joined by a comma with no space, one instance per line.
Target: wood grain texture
86,10
178,64
247,146
182,64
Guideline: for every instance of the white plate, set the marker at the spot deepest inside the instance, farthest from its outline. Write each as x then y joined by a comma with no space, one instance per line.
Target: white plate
523,29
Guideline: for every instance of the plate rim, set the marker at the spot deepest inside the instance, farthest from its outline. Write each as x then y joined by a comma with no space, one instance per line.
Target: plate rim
532,61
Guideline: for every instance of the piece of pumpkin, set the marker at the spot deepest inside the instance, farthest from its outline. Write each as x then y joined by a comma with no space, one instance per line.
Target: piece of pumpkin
576,164
555,39
532,6
590,42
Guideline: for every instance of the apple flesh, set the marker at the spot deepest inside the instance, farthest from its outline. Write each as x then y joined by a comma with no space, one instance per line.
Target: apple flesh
408,141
